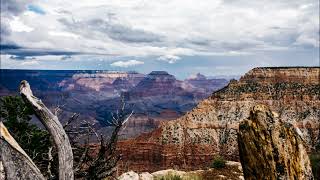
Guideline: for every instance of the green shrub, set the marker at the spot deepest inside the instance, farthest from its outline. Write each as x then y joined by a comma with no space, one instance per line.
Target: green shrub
218,162
16,116
315,163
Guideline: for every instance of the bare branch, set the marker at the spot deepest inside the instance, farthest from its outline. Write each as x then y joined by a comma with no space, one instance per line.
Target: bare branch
71,119
52,124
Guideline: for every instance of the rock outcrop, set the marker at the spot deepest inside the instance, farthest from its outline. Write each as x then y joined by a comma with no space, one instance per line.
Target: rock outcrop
191,141
271,149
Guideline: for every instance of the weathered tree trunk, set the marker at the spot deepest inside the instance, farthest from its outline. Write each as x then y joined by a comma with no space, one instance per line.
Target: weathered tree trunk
14,162
52,124
270,149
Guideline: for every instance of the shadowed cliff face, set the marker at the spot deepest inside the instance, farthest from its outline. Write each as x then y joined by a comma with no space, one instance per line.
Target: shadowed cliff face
271,149
155,97
191,141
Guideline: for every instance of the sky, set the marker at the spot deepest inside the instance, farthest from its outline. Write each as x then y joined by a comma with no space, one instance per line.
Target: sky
183,37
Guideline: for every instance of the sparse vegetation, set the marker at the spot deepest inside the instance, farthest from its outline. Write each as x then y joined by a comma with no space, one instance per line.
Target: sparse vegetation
218,162
170,177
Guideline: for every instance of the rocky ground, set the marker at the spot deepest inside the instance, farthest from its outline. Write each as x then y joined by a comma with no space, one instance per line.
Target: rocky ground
232,171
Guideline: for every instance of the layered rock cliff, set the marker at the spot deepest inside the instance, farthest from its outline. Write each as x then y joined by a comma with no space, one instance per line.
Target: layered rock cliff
191,141
154,97
205,85
158,97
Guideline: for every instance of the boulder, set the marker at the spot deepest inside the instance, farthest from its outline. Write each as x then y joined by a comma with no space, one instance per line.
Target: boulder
168,171
270,148
146,176
131,175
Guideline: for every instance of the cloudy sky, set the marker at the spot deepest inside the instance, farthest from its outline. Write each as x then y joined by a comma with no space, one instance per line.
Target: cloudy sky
214,37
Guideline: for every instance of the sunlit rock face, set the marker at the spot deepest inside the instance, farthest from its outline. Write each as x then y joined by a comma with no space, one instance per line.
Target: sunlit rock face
270,148
211,127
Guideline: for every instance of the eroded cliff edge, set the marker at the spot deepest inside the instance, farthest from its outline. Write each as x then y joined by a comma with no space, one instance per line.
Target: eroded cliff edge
190,141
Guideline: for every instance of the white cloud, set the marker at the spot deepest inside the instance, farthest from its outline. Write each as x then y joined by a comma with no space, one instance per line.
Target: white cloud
126,64
17,26
63,34
169,58
29,63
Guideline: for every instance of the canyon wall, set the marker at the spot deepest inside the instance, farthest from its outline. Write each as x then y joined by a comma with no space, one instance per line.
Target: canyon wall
95,94
211,128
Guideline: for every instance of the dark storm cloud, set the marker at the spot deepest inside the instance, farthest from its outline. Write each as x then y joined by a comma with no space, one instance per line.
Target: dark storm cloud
218,45
65,57
19,53
21,57
9,9
13,7
115,31
5,47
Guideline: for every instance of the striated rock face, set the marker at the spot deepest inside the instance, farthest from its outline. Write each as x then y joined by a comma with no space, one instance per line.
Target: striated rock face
157,83
191,141
102,82
157,97
270,148
204,85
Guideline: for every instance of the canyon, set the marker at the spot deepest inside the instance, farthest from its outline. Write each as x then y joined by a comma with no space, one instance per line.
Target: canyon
191,141
96,94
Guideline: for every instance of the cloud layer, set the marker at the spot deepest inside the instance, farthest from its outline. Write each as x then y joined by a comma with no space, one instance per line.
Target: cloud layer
163,31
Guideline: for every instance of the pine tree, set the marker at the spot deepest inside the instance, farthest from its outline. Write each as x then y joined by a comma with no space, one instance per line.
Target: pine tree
16,116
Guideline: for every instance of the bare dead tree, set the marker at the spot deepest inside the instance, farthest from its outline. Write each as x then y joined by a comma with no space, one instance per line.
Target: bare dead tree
91,165
54,127
88,166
